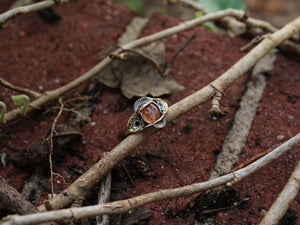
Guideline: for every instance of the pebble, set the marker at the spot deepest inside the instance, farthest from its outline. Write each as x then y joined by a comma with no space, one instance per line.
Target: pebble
279,137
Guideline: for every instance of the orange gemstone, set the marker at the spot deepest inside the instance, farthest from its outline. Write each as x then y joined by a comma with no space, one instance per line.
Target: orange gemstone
151,113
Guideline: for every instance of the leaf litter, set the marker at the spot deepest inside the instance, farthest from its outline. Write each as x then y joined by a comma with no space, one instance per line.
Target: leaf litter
138,74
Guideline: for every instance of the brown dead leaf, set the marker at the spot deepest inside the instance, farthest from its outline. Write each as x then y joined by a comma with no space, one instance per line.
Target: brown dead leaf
136,75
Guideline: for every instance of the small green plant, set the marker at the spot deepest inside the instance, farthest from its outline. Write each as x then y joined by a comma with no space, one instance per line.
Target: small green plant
19,100
3,111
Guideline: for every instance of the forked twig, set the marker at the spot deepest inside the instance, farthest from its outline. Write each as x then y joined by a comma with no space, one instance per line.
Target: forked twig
19,89
132,203
54,94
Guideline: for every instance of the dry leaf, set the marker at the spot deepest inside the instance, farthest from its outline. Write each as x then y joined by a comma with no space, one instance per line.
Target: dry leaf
137,75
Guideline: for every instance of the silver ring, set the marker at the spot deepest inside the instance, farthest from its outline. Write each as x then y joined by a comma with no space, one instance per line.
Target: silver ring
148,112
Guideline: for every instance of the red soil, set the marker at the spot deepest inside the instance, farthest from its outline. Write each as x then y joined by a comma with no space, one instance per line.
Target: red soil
42,56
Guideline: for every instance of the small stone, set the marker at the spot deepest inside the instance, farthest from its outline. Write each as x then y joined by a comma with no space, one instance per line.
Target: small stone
279,137
151,113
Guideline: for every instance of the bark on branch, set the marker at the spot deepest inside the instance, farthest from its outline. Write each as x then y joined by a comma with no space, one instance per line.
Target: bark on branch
83,184
4,17
284,200
132,203
55,94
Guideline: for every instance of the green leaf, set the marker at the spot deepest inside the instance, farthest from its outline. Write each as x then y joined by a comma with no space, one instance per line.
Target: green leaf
3,111
198,14
19,100
211,26
274,50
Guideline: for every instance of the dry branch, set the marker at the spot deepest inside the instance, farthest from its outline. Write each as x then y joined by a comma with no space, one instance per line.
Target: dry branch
104,197
19,89
287,46
234,26
284,200
13,200
83,184
252,26
54,94
132,203
4,17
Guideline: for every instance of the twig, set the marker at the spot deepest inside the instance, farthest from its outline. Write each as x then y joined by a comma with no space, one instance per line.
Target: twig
51,143
13,200
127,173
54,94
121,56
254,41
19,89
251,160
237,204
170,64
261,24
287,46
4,17
284,200
132,203
85,183
170,164
104,197
250,21
46,188
236,138
234,26
215,109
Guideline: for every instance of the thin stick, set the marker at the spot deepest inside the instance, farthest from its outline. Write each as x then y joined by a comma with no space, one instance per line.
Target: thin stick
4,17
51,144
90,178
13,200
127,173
287,46
261,24
284,200
250,21
239,27
19,89
104,197
132,203
54,94
216,110
233,25
251,160
181,48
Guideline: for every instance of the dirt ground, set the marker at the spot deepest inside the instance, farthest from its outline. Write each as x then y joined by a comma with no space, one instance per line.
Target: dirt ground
43,56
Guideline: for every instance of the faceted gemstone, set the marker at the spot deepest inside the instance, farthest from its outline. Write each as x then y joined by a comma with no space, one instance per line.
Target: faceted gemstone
151,113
